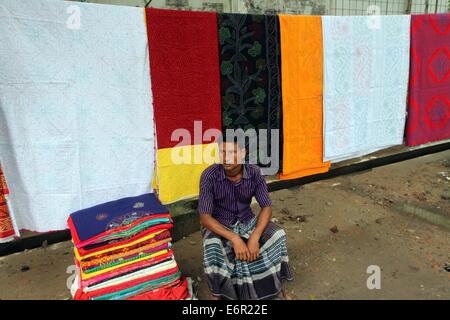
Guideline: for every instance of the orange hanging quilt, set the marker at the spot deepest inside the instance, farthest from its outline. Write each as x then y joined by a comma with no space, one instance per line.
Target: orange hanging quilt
302,91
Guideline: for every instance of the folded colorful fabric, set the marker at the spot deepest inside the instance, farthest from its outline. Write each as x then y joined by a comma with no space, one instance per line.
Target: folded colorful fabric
302,78
7,231
149,253
125,234
152,270
179,169
121,253
95,222
123,249
133,288
127,269
366,67
158,247
250,80
119,264
77,115
429,81
106,248
185,73
171,292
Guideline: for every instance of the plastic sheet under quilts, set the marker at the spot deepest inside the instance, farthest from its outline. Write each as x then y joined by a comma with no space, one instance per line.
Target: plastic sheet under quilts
366,68
429,82
302,78
184,65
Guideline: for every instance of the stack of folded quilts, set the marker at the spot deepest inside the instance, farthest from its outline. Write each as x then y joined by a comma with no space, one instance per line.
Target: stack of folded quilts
123,251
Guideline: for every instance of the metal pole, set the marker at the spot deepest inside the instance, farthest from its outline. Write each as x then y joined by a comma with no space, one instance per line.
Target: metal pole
408,7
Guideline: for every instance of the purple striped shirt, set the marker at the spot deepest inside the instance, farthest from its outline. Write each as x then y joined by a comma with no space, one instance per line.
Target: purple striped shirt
227,201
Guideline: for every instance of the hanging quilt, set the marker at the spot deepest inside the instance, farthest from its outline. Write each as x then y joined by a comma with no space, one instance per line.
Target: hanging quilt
76,115
185,74
178,170
250,81
302,78
429,82
366,68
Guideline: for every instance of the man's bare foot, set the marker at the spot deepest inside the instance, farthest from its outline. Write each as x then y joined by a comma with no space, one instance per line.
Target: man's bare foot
213,297
281,295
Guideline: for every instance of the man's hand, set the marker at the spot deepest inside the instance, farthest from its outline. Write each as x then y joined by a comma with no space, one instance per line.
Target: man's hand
240,249
253,247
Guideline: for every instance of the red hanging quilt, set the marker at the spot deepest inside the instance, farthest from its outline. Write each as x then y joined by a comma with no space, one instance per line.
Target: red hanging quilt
6,226
429,83
184,70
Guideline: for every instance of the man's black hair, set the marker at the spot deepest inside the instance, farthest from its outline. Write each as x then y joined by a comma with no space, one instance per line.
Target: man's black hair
232,139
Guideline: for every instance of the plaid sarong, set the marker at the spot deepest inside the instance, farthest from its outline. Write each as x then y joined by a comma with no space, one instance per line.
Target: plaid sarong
234,279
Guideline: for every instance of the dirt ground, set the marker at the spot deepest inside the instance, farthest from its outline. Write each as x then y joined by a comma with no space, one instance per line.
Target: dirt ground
396,217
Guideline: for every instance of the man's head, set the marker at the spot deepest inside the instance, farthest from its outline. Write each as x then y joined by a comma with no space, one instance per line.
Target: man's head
232,153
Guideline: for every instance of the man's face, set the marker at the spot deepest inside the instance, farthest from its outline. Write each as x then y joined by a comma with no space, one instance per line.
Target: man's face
231,156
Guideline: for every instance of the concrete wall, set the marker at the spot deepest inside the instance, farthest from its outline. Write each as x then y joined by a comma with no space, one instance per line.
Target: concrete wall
208,5
344,7
308,7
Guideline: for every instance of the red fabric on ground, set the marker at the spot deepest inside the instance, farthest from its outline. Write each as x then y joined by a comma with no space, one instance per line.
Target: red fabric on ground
429,83
177,292
184,64
6,226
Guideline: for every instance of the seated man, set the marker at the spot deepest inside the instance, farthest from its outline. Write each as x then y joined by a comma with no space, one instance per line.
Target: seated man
244,257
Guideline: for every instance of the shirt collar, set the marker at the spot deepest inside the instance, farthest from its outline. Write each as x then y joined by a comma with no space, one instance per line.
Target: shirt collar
245,175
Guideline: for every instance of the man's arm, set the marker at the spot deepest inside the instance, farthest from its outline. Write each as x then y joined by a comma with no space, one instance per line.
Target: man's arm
216,227
263,220
263,198
240,249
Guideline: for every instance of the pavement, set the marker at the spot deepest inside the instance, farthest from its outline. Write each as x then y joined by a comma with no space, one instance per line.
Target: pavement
395,219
